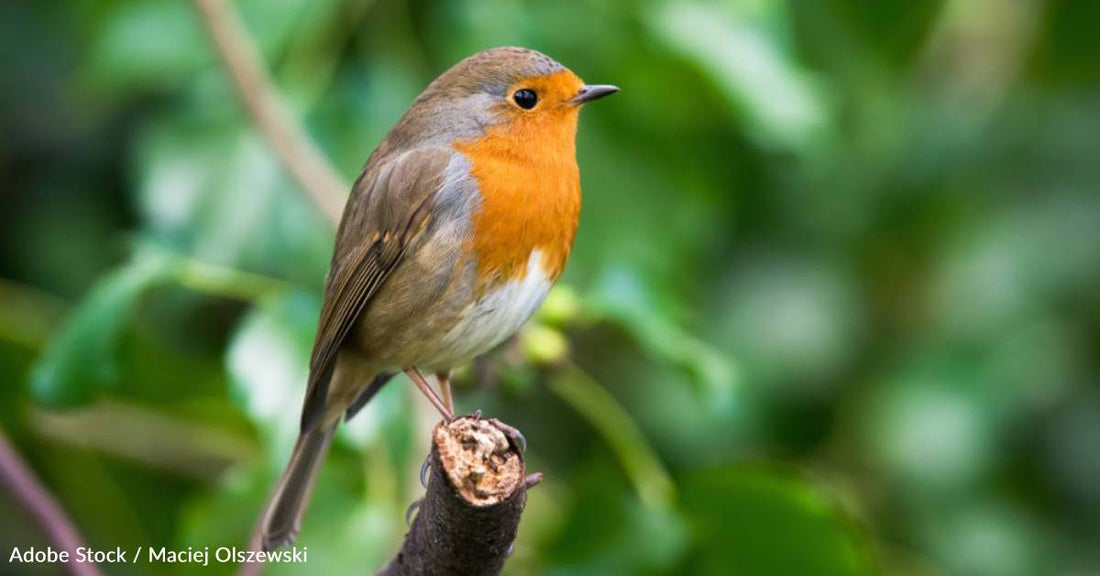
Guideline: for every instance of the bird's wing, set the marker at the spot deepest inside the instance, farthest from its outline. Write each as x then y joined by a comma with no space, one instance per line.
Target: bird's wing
389,206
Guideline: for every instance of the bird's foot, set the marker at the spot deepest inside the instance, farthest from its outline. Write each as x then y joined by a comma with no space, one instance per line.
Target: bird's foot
410,511
515,437
426,471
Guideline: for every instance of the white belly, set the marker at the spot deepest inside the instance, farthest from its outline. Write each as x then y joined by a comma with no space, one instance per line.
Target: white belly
494,317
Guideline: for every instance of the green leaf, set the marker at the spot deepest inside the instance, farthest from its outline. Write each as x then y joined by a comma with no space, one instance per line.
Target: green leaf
268,362
764,523
139,45
623,297
82,359
343,526
793,323
171,41
607,531
209,188
933,427
779,104
618,429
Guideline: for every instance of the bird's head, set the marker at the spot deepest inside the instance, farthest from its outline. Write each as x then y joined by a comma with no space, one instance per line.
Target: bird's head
514,90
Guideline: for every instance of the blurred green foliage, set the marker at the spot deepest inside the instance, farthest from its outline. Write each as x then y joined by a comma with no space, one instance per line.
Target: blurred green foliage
858,241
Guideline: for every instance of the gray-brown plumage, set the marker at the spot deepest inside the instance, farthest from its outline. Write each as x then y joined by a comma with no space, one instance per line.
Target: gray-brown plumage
411,282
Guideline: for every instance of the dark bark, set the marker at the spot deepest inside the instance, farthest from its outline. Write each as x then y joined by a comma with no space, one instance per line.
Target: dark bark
466,523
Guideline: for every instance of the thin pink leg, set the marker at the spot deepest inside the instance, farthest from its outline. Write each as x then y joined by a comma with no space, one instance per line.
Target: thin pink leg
445,390
425,389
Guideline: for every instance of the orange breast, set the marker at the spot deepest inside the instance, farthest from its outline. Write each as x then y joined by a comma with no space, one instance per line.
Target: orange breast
530,195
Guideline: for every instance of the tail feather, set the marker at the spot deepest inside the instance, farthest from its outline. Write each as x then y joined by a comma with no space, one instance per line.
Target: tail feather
368,393
284,514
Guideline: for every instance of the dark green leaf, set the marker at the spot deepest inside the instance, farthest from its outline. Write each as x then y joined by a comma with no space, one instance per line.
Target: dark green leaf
759,523
81,360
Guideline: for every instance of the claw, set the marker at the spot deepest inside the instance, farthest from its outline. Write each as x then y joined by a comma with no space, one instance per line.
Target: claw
520,440
425,471
477,415
515,437
410,511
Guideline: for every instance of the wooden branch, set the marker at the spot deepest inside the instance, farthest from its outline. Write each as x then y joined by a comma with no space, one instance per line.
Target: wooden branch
37,501
301,157
467,522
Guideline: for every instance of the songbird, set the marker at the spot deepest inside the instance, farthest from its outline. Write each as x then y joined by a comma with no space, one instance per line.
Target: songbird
455,230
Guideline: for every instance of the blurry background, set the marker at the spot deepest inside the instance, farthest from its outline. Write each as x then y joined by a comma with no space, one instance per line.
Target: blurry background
833,307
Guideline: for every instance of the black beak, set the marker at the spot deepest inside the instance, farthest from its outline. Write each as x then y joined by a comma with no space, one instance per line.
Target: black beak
592,92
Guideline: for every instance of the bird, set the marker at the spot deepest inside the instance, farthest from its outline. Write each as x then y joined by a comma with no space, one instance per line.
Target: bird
458,225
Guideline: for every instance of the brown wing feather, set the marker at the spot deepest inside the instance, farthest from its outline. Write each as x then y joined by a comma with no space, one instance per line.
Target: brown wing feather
388,208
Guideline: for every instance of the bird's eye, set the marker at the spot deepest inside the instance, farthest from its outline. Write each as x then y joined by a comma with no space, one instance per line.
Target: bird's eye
525,98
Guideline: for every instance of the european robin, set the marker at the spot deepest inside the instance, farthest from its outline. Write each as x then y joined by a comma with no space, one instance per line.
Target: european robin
459,223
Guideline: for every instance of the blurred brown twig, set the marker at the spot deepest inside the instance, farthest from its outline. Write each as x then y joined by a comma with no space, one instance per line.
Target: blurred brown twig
37,501
297,152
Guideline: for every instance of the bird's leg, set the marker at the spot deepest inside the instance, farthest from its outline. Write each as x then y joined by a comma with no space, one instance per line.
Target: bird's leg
425,389
445,390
